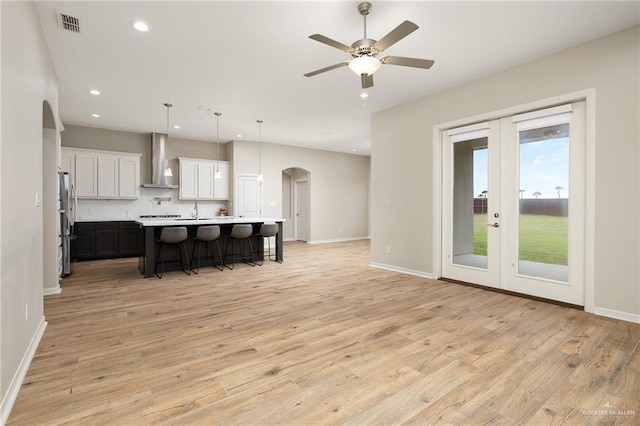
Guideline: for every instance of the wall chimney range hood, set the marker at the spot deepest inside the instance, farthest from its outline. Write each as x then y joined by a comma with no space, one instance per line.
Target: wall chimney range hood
159,162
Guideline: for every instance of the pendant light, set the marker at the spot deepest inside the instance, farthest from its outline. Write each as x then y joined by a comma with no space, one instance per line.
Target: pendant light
167,170
260,178
218,175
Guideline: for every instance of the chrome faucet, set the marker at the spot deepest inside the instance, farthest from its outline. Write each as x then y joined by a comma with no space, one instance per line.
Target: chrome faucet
196,208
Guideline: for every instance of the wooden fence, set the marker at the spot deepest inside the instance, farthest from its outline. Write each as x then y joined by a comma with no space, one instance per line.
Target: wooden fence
540,206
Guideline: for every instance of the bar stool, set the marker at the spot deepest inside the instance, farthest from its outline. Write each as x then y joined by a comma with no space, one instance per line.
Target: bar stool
268,230
173,236
242,233
207,235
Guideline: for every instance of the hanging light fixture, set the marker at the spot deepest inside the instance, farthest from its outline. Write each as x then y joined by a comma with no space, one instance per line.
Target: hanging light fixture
167,170
218,175
260,178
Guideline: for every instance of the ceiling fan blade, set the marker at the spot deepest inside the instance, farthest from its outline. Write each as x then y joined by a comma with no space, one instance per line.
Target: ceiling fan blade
367,81
408,62
397,34
331,42
325,69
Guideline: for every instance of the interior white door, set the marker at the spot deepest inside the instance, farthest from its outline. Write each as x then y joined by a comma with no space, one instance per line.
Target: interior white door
508,220
302,210
544,245
471,204
248,196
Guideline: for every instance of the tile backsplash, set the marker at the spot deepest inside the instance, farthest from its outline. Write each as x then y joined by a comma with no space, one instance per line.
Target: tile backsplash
147,204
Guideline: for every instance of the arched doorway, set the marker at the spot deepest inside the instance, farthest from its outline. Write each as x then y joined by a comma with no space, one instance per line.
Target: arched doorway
48,199
296,204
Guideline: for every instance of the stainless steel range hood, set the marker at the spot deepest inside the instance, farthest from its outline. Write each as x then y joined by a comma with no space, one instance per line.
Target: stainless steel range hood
159,162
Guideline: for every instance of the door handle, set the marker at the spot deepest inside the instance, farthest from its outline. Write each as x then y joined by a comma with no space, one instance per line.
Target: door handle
495,225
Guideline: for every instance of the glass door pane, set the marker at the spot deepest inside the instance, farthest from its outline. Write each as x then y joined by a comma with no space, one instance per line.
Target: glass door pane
543,208
470,203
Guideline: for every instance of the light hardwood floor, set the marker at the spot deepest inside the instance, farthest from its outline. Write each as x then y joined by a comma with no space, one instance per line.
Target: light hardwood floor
320,339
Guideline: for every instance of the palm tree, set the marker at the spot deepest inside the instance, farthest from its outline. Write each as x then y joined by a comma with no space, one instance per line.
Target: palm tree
559,188
536,194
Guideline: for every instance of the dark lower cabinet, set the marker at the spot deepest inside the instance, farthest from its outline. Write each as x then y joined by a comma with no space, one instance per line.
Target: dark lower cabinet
130,239
106,240
83,247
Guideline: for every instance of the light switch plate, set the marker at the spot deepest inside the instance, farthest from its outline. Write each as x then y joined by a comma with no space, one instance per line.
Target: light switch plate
38,199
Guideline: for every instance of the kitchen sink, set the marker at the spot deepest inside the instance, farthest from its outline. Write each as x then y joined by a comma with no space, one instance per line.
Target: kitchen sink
194,219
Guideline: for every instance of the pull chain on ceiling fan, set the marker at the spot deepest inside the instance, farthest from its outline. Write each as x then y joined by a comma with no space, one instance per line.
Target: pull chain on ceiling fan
365,51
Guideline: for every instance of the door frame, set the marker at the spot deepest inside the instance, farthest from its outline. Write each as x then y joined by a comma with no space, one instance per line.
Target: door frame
236,191
587,95
295,210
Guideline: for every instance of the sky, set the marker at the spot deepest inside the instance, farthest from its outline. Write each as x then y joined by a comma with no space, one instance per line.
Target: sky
543,166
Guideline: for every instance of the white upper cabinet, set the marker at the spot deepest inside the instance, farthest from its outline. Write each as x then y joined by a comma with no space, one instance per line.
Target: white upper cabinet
108,182
129,176
197,179
86,174
102,174
221,186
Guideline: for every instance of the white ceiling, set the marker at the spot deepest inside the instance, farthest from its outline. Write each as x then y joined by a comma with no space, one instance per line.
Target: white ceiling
247,60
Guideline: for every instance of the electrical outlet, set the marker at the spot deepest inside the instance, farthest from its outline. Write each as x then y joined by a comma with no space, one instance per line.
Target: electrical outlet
26,312
388,249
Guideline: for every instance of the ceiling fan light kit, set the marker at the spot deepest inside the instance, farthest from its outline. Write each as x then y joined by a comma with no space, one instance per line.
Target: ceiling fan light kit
366,65
365,51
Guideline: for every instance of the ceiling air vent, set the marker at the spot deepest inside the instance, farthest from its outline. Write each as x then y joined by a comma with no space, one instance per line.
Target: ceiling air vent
68,22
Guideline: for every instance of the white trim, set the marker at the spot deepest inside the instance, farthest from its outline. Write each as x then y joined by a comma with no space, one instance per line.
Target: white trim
589,96
468,129
469,136
413,272
561,109
468,133
590,201
52,290
612,313
336,240
548,121
21,372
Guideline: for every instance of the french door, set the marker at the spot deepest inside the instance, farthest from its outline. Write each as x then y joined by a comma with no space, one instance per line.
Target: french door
513,203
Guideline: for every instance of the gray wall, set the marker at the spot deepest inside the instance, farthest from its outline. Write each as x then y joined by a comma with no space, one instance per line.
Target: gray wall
402,141
28,79
338,186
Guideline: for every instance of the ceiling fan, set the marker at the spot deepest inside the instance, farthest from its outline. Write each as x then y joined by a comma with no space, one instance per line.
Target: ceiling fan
365,51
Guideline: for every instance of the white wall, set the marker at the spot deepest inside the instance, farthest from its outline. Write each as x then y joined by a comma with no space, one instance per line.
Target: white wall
402,141
338,186
28,79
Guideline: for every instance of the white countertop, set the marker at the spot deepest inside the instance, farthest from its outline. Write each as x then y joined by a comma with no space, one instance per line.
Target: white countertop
218,220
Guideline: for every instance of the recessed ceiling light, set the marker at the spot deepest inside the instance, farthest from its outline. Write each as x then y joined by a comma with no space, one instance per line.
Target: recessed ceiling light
238,136
95,115
94,92
176,127
354,150
141,26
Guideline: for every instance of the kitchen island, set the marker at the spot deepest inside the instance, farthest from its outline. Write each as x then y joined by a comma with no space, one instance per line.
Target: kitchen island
153,226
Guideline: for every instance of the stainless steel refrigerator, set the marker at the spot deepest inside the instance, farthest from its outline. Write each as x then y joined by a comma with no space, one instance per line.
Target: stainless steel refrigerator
66,210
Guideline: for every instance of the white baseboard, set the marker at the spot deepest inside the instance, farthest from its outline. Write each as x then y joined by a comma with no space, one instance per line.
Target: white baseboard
338,240
611,313
421,274
52,290
14,387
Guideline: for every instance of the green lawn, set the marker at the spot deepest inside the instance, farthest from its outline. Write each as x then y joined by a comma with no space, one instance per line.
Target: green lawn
543,239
